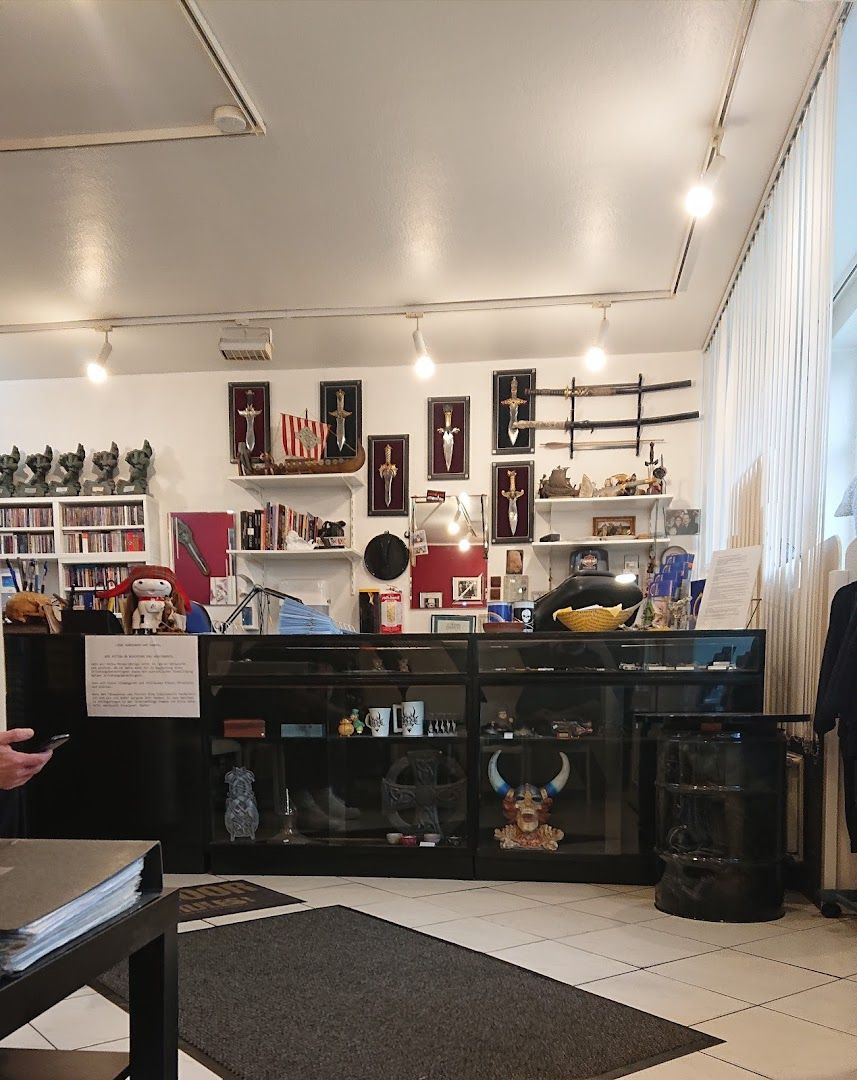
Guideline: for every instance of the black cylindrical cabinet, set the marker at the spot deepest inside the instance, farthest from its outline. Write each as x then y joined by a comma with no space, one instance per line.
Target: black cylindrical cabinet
721,823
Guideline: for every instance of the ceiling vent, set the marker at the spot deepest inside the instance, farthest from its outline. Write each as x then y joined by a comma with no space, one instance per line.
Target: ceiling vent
246,345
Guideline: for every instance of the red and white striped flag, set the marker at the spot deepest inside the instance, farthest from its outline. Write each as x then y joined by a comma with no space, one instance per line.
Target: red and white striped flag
304,438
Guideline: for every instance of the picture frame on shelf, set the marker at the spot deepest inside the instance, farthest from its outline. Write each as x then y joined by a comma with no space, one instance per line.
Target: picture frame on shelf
448,453
467,590
512,486
430,600
614,526
340,406
387,488
453,624
249,417
510,400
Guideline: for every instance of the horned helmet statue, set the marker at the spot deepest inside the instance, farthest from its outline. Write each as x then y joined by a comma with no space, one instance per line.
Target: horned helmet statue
527,804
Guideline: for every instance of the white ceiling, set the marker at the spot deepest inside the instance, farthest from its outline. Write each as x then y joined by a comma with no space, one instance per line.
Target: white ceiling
415,152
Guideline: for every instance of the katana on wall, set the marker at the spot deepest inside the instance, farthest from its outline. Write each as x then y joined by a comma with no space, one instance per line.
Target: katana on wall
607,389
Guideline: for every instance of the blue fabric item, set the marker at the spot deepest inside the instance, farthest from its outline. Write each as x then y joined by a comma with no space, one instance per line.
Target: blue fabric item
198,620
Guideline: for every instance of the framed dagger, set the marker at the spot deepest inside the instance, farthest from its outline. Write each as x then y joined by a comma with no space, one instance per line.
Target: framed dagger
512,400
448,438
388,475
512,501
340,406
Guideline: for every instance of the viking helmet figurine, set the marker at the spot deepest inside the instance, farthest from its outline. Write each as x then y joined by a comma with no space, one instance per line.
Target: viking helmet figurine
527,809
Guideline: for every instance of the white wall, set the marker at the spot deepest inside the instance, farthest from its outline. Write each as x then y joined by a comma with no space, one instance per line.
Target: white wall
184,417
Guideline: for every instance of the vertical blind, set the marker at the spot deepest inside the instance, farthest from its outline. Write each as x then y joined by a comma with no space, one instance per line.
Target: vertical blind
766,373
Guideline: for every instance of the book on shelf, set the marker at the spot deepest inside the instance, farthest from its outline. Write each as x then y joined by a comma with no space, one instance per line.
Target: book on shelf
104,543
26,517
27,544
268,529
92,516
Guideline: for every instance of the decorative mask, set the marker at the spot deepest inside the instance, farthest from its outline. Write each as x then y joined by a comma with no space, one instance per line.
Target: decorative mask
527,809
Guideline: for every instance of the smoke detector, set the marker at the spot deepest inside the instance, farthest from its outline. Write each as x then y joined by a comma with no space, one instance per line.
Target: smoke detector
247,344
230,120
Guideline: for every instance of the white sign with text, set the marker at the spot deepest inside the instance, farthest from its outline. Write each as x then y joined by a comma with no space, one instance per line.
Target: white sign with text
152,675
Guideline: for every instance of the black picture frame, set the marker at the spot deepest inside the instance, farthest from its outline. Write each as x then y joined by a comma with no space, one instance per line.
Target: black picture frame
501,532
460,418
261,392
352,391
501,394
376,446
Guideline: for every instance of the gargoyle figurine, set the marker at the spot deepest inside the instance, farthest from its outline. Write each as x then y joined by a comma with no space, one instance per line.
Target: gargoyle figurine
72,465
139,461
39,465
8,466
105,463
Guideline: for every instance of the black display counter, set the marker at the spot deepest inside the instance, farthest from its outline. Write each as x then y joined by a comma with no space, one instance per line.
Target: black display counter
478,716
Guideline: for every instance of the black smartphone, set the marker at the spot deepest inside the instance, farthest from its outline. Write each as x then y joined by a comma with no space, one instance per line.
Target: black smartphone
52,743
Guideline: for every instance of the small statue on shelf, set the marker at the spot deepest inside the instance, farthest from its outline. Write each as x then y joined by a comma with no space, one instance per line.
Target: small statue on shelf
140,462
105,463
155,602
8,467
72,465
242,813
527,809
39,465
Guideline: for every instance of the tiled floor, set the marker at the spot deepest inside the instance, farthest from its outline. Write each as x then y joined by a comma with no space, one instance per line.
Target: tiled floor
782,995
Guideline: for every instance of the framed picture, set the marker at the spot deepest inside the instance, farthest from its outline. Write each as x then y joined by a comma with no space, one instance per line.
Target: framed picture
249,418
431,600
510,402
449,438
681,522
388,475
467,590
511,502
200,542
606,527
341,407
453,624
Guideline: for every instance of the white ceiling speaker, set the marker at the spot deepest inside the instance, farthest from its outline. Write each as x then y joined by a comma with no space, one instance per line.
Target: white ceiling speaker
229,120
247,344
96,370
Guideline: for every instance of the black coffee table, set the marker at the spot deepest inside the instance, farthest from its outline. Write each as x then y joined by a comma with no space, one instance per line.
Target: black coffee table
147,936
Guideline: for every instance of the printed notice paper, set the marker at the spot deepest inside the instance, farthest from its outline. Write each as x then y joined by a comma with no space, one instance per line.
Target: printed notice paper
729,587
152,675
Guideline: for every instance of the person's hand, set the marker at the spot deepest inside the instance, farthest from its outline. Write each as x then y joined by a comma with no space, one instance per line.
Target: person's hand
16,768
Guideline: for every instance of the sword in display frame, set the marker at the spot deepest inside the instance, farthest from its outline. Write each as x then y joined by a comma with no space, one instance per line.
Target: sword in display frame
512,496
513,403
340,414
447,436
387,471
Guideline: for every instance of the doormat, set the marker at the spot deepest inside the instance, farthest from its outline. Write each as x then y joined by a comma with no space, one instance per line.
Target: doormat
333,994
227,898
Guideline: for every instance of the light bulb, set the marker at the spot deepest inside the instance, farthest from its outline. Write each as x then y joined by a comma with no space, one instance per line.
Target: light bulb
96,372
699,200
595,358
464,544
453,528
424,367
626,578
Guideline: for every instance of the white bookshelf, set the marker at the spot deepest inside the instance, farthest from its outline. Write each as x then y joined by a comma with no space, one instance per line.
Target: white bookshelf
106,521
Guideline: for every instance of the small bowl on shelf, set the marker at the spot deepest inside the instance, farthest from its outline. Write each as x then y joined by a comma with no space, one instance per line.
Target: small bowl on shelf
394,838
409,840
432,837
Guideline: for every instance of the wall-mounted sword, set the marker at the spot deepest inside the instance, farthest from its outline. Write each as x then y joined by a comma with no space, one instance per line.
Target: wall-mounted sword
387,471
514,403
340,413
595,425
607,389
448,433
512,495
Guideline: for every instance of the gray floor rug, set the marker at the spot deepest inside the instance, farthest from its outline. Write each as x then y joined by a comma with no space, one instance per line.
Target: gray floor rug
332,994
227,898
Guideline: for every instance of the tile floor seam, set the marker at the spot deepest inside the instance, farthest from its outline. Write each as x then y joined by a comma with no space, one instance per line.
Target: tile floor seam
749,1072
739,949
33,1026
803,1019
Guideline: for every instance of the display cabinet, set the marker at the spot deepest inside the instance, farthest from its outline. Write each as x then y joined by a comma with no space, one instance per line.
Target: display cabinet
583,713
329,790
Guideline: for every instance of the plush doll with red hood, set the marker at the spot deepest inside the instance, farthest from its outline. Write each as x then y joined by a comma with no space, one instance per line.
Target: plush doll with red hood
155,603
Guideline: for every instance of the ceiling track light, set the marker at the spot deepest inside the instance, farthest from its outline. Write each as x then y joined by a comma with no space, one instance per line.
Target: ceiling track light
423,365
700,199
596,356
96,369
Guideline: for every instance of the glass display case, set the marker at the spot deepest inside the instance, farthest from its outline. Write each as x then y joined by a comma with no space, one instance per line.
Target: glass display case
358,750
567,735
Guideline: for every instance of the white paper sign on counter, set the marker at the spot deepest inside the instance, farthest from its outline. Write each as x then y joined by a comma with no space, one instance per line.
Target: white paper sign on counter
152,675
729,587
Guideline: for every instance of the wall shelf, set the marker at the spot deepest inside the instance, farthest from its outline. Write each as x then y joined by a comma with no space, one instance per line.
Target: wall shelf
315,553
612,503
613,541
265,484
